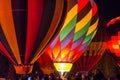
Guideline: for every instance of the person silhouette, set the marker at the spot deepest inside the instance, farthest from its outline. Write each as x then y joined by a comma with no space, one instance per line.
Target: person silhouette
98,75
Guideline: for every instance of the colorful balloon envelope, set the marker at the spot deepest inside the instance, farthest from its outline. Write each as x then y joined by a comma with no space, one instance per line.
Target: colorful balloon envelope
46,64
79,28
26,27
113,27
94,51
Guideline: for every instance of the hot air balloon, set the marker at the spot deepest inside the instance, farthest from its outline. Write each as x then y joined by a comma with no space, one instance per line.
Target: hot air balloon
46,64
80,26
94,51
27,27
113,31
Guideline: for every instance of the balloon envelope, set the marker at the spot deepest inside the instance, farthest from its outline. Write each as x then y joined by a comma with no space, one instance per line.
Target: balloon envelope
113,27
27,27
114,36
79,28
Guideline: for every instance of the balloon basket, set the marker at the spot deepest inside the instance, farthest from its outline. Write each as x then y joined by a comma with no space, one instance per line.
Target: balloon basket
23,69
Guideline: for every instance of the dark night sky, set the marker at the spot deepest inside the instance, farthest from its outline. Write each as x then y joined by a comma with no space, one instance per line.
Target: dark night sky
108,9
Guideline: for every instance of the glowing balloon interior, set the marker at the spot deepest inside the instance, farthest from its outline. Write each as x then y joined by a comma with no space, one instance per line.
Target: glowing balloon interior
77,32
63,67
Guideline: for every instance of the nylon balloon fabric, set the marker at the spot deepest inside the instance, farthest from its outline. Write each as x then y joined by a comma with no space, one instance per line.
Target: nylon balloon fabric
28,26
79,28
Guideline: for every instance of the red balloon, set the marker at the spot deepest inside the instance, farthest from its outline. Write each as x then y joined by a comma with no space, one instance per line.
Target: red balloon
113,43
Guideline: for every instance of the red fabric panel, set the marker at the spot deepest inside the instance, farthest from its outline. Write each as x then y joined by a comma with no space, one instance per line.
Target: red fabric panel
81,4
2,48
35,9
89,62
44,60
94,9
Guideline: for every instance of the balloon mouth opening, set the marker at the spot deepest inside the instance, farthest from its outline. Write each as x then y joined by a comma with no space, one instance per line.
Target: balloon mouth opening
23,69
63,67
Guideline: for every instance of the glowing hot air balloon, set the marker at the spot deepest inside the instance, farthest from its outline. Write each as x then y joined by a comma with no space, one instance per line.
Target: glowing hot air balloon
113,27
80,26
94,51
26,27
